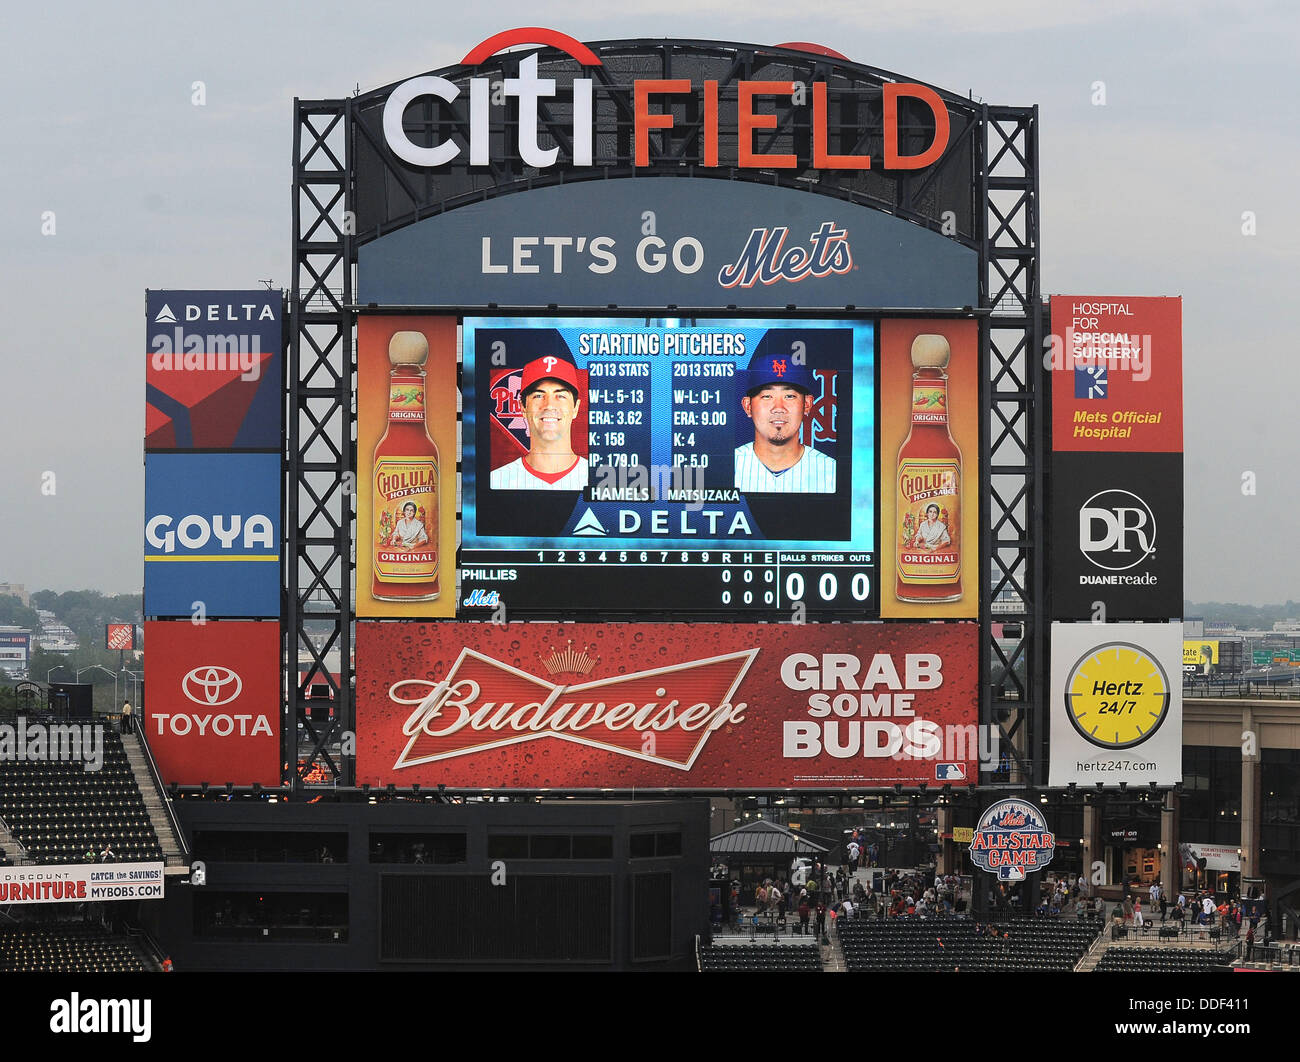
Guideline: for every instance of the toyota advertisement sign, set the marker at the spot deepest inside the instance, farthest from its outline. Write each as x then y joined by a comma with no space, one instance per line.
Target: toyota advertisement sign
213,713
671,706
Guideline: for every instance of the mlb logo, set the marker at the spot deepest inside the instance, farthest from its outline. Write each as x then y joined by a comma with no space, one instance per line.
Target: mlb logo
1011,874
949,772
1090,381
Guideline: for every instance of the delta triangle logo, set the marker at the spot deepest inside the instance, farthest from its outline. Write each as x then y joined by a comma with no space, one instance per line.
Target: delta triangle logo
589,525
165,315
485,704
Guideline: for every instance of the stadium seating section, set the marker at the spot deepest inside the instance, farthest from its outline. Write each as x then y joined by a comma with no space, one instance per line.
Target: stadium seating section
58,810
1162,960
66,948
951,944
760,958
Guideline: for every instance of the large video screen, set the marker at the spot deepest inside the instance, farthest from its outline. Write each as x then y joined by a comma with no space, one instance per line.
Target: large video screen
722,465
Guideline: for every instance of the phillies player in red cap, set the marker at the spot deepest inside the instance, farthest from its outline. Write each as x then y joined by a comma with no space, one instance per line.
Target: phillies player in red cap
548,391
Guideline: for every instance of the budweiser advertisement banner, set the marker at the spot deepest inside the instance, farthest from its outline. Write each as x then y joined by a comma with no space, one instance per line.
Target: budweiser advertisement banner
666,706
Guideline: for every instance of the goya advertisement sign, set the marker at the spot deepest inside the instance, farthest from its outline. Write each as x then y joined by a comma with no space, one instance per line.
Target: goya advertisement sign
1116,704
1012,840
214,370
671,706
212,535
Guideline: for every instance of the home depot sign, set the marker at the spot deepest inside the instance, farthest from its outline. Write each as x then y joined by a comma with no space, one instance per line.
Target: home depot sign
651,96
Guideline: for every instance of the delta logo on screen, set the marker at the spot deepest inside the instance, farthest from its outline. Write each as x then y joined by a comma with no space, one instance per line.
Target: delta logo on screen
213,706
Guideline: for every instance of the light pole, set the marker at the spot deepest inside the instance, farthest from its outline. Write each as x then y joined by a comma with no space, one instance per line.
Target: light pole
91,667
54,669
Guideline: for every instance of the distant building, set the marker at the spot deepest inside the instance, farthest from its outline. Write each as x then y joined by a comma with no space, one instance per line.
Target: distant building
55,637
16,590
15,651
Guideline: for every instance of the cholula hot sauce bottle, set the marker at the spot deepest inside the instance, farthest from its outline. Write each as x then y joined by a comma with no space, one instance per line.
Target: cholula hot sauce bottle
928,488
404,517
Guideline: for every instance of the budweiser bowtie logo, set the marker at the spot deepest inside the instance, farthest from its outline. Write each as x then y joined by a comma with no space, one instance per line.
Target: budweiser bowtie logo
485,704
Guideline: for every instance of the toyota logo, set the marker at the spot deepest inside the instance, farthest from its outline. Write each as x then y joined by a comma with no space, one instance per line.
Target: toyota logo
211,686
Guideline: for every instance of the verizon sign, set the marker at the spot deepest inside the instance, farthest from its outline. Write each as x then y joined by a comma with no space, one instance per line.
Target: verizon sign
213,709
699,706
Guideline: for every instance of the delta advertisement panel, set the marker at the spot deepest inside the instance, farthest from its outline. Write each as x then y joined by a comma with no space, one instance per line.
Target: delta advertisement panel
1117,374
1116,704
671,706
213,370
212,535
407,443
91,883
667,443
213,708
929,469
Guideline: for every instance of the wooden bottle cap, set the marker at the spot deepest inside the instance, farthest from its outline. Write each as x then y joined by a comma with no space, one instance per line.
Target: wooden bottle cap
930,352
408,348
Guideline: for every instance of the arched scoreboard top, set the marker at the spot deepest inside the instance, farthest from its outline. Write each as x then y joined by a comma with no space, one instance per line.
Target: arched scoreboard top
561,112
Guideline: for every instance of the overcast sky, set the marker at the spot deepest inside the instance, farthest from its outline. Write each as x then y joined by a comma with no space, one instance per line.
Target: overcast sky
1142,196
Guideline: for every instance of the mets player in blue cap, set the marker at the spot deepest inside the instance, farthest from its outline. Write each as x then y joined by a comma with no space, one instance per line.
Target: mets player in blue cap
548,391
778,399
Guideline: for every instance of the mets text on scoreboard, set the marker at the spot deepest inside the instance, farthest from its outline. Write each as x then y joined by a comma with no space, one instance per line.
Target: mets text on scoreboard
652,104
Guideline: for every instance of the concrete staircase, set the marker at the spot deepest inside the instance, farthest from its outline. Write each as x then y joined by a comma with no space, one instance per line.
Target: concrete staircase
1093,955
153,797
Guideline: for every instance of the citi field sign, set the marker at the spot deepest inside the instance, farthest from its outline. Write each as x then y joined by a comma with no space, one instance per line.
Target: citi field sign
653,99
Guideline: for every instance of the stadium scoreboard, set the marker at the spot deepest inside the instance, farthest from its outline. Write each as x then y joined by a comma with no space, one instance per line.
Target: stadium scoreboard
662,510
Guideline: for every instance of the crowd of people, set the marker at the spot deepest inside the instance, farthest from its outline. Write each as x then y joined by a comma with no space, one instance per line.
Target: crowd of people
1201,909
821,896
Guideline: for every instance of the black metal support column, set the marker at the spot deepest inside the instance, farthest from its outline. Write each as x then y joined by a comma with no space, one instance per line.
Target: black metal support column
1012,584
321,450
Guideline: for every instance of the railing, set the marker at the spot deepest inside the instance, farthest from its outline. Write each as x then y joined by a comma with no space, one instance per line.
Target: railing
1244,688
172,820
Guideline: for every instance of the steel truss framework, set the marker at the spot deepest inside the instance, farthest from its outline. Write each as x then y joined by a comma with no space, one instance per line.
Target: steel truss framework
994,152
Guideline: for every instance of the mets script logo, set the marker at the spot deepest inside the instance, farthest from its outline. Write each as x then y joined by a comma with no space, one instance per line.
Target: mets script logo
507,410
1012,840
486,704
212,686
766,259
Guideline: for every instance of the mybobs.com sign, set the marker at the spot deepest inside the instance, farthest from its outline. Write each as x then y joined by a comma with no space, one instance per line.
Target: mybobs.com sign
653,97
1012,840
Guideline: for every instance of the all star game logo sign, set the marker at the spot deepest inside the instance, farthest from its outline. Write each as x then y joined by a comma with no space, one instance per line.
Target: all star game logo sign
1012,840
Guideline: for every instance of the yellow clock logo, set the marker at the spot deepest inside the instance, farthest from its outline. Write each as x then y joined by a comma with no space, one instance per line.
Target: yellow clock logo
1117,695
